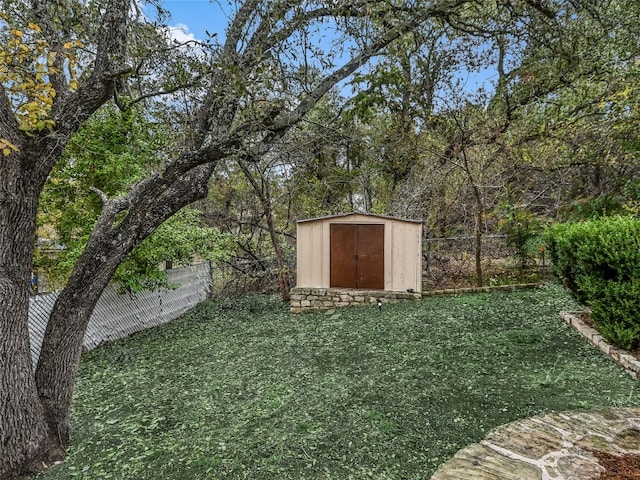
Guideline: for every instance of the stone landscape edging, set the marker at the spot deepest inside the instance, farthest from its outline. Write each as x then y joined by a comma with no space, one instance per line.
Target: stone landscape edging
627,361
457,291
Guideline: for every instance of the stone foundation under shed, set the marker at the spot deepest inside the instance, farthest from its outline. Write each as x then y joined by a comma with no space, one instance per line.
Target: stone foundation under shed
305,299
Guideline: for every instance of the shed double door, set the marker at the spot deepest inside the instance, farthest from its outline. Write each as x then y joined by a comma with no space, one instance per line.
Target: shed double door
357,255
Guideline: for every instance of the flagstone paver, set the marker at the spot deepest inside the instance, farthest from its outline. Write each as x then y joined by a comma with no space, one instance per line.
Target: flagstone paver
556,446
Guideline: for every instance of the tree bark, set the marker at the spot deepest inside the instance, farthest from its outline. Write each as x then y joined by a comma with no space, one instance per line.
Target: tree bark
478,234
62,344
477,195
23,435
283,268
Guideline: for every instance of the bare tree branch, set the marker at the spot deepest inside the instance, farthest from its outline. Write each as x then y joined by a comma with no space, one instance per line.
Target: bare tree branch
98,88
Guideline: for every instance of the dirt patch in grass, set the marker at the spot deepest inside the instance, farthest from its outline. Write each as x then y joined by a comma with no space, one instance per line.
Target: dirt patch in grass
240,388
618,467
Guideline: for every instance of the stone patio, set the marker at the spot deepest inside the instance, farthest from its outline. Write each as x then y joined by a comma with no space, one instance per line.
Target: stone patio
557,446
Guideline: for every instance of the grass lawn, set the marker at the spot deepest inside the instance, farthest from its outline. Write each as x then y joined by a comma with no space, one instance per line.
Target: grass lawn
239,388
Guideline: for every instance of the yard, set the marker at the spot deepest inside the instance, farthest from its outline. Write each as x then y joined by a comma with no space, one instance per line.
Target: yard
240,388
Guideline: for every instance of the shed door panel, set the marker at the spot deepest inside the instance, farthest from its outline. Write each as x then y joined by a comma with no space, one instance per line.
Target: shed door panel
370,256
357,256
343,255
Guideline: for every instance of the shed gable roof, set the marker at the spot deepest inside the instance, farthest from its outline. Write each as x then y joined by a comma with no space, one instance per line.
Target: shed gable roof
344,215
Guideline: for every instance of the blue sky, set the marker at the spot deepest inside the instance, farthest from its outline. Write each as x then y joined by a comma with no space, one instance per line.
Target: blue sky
193,17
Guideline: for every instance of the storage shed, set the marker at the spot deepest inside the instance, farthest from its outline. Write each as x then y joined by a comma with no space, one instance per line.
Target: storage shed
356,258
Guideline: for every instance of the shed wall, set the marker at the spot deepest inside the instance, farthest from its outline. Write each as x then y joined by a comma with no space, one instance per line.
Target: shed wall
405,252
402,255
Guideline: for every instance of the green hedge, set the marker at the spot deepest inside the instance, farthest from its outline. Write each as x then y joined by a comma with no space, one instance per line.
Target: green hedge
599,261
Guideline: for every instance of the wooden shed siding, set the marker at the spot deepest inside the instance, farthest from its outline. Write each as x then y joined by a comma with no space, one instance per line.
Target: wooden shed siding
310,259
325,254
406,258
402,255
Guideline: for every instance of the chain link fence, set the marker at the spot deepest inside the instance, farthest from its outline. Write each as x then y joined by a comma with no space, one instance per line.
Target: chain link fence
119,315
451,262
447,263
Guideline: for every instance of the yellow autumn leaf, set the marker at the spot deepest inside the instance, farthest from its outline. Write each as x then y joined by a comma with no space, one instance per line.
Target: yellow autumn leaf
34,27
626,93
7,147
31,107
16,33
68,45
73,84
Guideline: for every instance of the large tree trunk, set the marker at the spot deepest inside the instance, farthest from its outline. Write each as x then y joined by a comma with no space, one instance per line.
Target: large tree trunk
62,345
23,433
108,246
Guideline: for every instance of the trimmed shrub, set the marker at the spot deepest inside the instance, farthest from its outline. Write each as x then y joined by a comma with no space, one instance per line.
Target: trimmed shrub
599,261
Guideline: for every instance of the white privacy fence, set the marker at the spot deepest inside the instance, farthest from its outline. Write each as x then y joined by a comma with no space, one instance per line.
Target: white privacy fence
118,315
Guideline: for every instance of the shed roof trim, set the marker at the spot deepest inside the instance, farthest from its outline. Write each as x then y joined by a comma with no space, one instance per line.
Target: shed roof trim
343,215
